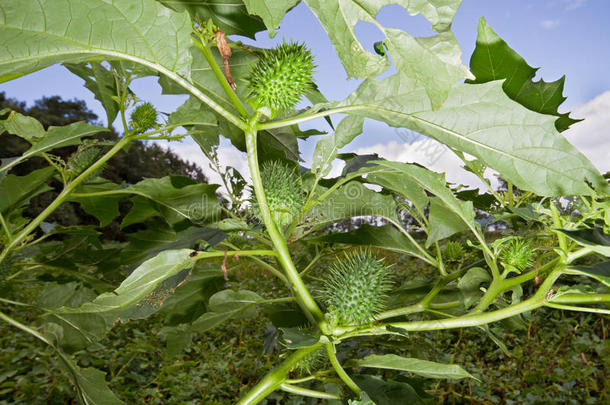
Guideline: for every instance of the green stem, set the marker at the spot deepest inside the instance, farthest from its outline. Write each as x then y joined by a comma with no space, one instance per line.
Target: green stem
305,300
439,260
579,309
203,47
24,328
581,299
425,256
308,117
293,389
62,196
330,349
5,227
276,377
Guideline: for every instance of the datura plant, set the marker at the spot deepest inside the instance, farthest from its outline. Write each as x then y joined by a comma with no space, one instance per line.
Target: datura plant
337,293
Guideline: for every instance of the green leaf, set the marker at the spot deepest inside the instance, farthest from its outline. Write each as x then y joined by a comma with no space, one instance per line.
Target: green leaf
401,177
104,207
493,59
271,12
469,285
190,299
101,82
326,149
351,200
387,392
139,295
91,384
443,221
598,271
56,137
15,191
28,128
143,31
297,338
230,16
595,239
434,62
383,237
482,121
224,305
428,369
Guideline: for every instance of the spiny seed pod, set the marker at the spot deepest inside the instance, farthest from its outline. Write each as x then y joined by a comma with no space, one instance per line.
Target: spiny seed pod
517,254
283,192
84,157
453,252
143,118
312,362
281,76
355,289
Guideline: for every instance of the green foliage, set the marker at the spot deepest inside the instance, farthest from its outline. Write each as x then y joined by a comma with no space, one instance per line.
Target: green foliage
141,236
281,77
355,288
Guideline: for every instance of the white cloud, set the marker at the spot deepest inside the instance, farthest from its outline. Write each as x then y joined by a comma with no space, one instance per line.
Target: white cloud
549,24
592,136
574,4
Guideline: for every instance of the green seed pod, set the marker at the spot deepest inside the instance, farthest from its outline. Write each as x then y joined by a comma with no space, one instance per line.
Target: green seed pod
312,362
84,157
517,254
283,191
143,118
355,289
453,252
280,78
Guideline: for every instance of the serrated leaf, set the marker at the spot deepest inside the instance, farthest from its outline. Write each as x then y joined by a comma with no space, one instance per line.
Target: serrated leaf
434,62
101,82
595,239
450,214
15,191
90,383
482,121
271,12
36,35
326,149
230,16
56,137
139,295
383,237
28,128
351,200
428,369
493,59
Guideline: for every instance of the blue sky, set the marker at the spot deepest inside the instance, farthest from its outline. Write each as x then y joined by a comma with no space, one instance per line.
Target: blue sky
570,37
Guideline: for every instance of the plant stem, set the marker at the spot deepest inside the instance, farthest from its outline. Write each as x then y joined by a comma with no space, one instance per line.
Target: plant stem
293,389
62,196
330,349
581,299
304,298
203,47
24,328
579,309
276,377
5,227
